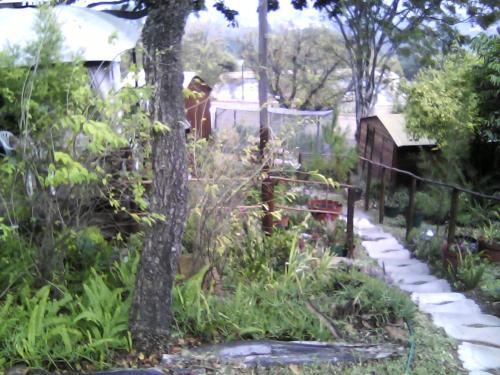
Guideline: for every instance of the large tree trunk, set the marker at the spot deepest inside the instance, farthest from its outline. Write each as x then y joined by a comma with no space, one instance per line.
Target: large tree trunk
151,309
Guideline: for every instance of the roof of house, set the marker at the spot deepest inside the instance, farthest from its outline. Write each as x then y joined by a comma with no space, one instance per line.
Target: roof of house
88,34
396,126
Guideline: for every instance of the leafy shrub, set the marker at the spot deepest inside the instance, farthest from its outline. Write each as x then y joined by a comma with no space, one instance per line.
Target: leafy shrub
470,270
55,328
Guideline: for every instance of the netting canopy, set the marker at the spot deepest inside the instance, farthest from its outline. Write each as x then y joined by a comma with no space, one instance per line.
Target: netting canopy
302,130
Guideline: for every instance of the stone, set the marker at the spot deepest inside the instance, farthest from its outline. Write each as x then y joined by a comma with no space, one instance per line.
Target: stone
467,320
390,254
481,335
465,306
480,373
414,279
436,298
433,286
385,244
412,269
477,357
362,223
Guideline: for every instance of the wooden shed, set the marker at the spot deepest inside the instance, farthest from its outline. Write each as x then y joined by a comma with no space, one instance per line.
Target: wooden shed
197,104
383,138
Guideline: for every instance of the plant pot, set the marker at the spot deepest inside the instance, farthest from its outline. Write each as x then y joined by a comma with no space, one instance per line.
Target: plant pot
333,208
284,222
490,249
391,211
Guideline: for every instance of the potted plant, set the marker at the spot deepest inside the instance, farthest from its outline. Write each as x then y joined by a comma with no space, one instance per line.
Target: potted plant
333,209
396,203
489,241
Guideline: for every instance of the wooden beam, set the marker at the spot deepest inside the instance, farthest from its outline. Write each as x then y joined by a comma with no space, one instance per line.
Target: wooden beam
411,208
453,216
381,199
350,222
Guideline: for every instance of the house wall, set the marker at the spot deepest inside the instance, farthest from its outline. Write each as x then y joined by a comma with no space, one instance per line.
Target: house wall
376,144
198,108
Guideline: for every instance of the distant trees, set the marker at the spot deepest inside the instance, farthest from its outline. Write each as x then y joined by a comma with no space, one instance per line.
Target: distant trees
457,104
374,31
307,68
207,55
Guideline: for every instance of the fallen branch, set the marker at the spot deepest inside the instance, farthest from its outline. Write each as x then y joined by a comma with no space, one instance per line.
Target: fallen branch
323,319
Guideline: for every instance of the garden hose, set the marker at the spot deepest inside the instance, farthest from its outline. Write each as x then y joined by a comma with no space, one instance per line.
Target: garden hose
411,352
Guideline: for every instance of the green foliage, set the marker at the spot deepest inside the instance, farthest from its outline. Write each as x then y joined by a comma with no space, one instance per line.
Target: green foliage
486,79
207,55
441,103
342,157
470,270
56,328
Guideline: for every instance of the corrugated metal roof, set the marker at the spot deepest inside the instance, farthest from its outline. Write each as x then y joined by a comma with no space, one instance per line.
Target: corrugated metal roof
396,126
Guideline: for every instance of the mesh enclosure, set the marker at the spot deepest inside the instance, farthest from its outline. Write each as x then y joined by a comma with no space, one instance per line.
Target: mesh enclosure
300,130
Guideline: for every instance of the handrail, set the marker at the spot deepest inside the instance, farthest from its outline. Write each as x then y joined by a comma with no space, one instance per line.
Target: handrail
430,181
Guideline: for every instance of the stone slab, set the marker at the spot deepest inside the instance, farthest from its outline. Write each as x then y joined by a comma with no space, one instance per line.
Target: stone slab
400,263
436,298
385,244
375,236
415,279
465,306
480,373
482,335
413,269
431,287
362,223
393,254
477,357
468,320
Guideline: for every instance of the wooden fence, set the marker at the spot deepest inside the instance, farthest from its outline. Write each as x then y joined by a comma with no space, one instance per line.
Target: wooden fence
455,191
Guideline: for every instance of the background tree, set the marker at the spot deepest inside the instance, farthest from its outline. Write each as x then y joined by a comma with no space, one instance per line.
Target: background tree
455,104
373,32
207,55
307,67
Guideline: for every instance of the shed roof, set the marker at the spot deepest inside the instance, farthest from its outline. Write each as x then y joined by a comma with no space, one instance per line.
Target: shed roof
396,126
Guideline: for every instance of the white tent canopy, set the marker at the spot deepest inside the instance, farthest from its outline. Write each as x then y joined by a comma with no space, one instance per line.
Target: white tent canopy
88,34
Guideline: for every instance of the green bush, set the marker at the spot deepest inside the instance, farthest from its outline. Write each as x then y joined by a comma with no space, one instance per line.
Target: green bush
469,272
55,328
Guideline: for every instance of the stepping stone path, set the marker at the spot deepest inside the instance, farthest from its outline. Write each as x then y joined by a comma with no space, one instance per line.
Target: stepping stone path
461,318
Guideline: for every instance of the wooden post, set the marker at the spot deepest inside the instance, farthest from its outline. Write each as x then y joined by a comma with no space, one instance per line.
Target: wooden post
350,222
453,216
267,184
381,199
411,207
368,184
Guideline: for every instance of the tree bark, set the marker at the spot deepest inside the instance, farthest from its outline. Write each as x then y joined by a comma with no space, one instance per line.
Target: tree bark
151,308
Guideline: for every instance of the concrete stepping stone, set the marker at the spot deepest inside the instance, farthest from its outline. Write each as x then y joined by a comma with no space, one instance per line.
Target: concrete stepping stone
412,269
477,357
436,298
465,306
482,335
374,236
385,244
362,223
433,286
415,279
390,254
480,373
467,320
